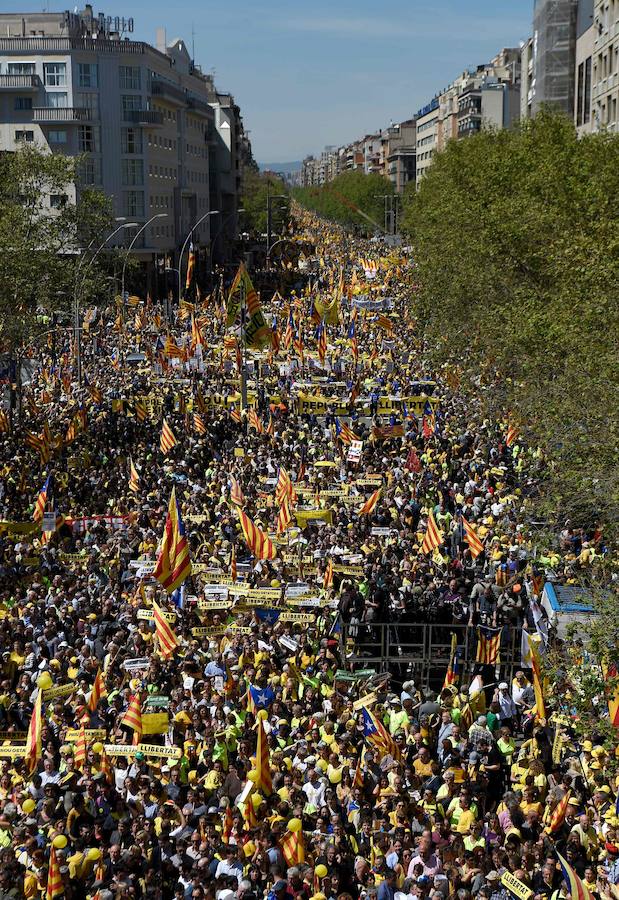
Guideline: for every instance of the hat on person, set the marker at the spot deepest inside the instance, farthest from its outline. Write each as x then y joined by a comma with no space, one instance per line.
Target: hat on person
493,876
587,746
503,686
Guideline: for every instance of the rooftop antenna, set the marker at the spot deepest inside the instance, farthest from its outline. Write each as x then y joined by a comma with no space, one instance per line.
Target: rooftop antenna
193,43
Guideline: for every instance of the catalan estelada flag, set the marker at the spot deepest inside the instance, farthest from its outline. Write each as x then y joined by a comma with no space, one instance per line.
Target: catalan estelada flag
578,889
54,887
258,542
344,432
433,538
376,733
264,780
134,478
39,506
557,817
33,740
133,717
293,848
472,538
173,563
488,644
168,642
98,691
236,494
370,504
167,440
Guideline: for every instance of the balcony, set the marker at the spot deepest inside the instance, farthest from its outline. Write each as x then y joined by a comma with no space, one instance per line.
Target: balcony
145,117
19,82
44,114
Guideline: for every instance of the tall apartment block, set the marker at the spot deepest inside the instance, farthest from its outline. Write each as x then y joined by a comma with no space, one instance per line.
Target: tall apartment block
155,134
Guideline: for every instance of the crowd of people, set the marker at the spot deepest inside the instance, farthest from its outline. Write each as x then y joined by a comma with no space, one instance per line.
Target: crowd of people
252,756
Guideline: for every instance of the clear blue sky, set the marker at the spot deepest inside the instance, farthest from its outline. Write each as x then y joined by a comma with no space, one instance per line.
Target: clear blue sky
327,71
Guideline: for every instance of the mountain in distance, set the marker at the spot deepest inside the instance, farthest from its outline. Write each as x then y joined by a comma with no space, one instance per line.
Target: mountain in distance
286,167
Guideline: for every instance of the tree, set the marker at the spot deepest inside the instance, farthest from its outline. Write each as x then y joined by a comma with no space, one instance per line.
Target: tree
257,186
40,245
516,241
352,199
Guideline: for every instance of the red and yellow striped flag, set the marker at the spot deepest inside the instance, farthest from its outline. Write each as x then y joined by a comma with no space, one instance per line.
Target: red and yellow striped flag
370,504
173,563
98,691
293,848
235,414
358,779
236,494
283,488
577,888
264,780
33,740
472,538
39,506
4,422
133,717
168,642
512,435
167,440
258,542
327,581
254,421
433,538
199,424
79,757
557,817
284,517
226,831
140,410
233,572
54,887
134,478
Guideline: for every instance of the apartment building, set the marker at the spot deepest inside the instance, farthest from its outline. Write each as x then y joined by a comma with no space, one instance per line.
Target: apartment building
585,39
399,153
426,142
155,134
605,66
550,81
527,78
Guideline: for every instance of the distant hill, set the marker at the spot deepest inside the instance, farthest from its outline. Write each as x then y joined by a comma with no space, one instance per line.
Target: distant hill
286,167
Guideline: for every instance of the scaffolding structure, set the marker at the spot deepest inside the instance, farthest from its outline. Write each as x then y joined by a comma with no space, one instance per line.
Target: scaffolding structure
554,39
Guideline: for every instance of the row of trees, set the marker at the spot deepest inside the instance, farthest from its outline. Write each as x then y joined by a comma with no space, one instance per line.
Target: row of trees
39,245
257,187
353,199
516,240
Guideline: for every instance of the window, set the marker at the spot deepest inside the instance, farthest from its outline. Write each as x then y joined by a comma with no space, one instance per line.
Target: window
587,107
134,203
23,103
58,201
88,101
87,75
130,103
21,68
580,93
57,137
88,139
132,171
91,170
27,136
129,78
55,74
131,140
56,100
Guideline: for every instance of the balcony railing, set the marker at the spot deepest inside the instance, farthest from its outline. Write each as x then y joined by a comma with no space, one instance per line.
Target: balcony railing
38,44
143,117
61,114
19,82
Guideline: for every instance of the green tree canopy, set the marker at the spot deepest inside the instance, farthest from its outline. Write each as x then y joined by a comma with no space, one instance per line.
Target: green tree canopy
516,239
39,245
256,188
352,198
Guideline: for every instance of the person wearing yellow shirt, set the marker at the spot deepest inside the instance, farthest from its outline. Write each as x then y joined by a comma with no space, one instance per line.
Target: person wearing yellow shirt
460,804
531,802
397,717
423,763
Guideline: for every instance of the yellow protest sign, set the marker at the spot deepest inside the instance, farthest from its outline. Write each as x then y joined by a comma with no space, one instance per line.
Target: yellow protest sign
213,605
296,617
146,749
367,701
517,887
148,614
209,631
303,516
348,570
92,734
12,752
155,723
60,690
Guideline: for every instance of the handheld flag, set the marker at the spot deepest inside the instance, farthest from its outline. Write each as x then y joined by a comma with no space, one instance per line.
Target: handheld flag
453,674
236,494
512,435
488,644
433,538
258,542
264,781
577,888
133,717
472,539
54,887
98,691
33,740
134,478
39,507
173,563
327,581
557,816
167,440
370,504
168,642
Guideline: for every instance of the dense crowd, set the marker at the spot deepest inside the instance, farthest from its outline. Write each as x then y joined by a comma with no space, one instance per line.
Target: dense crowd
256,760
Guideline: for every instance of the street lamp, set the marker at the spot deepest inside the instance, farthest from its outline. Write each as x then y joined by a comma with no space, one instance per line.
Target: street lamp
76,312
212,212
131,245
